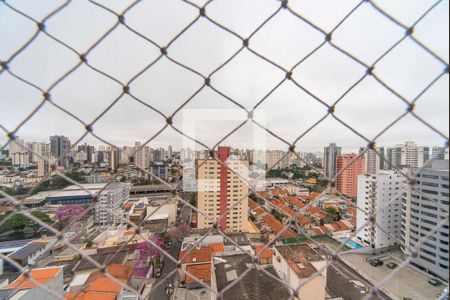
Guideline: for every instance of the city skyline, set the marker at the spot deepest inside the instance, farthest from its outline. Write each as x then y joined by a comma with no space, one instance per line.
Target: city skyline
99,146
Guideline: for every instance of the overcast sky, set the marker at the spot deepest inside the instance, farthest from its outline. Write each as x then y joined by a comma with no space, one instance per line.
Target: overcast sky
246,79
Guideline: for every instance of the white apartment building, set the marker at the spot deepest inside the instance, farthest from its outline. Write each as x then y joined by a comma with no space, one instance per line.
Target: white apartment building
410,155
20,156
109,201
141,156
381,194
422,213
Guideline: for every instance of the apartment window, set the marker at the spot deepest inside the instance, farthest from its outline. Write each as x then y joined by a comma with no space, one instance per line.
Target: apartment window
429,207
430,184
430,176
430,245
428,252
429,215
425,228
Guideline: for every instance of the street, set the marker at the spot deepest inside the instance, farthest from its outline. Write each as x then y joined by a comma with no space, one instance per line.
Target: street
159,293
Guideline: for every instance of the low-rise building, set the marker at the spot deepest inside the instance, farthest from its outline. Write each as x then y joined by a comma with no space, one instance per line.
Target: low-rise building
256,284
192,258
24,288
300,264
166,209
99,286
28,253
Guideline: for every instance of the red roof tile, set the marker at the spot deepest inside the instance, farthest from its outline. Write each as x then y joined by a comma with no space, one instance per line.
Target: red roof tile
203,255
277,226
266,254
201,272
217,248
41,276
98,282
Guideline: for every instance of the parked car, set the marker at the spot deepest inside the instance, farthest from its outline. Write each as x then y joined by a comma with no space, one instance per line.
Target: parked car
158,272
392,265
434,282
376,262
158,269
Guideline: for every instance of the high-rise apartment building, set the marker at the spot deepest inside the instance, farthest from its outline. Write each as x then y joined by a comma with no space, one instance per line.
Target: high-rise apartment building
380,194
170,152
186,154
109,201
349,166
141,156
125,154
220,192
422,215
257,158
373,162
330,156
408,155
160,170
44,166
39,149
274,159
19,154
60,148
114,160
440,153
89,150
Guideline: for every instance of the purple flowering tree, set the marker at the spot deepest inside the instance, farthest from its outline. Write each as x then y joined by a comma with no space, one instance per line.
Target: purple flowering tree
66,212
146,254
178,232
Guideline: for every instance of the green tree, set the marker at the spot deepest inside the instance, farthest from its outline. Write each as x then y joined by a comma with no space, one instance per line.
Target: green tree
276,214
89,242
193,201
18,222
332,211
42,216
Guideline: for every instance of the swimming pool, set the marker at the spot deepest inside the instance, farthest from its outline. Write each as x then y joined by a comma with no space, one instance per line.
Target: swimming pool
350,243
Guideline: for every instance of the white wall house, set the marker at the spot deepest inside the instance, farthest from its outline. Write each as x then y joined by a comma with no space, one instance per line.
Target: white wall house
297,264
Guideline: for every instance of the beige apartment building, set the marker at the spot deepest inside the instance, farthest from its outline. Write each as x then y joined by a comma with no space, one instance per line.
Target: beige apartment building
220,192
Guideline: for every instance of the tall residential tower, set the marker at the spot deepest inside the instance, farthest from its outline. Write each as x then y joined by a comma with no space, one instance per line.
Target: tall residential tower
331,154
221,192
